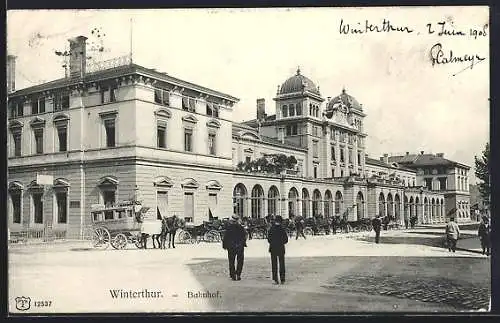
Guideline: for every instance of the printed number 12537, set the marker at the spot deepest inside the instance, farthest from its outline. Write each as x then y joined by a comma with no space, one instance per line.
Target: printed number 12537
42,303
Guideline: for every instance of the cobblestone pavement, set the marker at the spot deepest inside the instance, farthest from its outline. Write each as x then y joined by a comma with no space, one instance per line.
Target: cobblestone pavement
462,296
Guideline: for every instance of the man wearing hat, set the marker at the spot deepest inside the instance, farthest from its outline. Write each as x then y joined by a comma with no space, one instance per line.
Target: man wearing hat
235,242
484,235
452,234
277,239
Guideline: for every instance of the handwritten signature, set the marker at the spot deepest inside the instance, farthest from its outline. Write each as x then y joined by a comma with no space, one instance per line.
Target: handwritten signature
439,57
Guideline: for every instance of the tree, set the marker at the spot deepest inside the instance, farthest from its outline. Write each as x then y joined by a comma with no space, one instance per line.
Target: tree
482,172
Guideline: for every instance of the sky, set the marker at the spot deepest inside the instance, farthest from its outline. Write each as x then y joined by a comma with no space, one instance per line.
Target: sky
411,105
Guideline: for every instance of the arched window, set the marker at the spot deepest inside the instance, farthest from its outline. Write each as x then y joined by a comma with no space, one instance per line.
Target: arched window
293,201
360,206
338,203
316,203
257,201
305,203
272,202
390,206
328,203
240,196
381,205
397,207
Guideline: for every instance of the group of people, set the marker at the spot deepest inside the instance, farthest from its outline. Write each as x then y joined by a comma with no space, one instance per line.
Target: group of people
234,241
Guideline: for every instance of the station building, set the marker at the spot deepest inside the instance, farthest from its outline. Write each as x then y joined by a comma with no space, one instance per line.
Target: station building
114,131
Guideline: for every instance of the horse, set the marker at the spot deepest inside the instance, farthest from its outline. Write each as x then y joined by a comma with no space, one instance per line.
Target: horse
153,230
170,226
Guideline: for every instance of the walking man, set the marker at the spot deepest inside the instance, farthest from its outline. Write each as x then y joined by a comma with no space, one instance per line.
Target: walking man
377,224
484,235
277,239
299,227
452,234
235,242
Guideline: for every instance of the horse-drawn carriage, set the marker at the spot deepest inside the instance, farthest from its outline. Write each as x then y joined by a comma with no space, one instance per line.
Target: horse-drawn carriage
117,225
208,231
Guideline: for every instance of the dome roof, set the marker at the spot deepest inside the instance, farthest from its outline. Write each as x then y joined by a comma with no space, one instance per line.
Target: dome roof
345,98
298,83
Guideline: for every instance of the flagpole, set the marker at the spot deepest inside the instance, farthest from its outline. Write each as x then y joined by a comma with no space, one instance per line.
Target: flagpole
131,40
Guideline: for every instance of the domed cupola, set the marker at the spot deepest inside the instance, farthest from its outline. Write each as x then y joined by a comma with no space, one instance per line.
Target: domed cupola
298,84
344,99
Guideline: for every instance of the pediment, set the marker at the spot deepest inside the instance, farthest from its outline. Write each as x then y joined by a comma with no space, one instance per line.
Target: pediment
15,125
164,113
214,185
15,186
61,117
249,135
190,183
108,181
163,181
35,186
61,183
248,150
37,122
190,118
213,123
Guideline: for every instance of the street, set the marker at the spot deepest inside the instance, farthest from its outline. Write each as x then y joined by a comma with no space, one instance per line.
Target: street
408,271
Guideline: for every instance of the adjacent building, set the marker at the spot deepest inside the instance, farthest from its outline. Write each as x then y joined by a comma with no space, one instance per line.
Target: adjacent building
115,130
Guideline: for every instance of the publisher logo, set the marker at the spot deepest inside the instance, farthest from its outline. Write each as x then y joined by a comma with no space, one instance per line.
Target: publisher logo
23,303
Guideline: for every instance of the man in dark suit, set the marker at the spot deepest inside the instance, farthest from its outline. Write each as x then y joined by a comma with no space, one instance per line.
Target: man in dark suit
277,239
235,242
376,224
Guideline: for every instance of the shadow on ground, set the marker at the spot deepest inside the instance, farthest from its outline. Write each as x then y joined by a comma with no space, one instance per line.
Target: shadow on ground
338,284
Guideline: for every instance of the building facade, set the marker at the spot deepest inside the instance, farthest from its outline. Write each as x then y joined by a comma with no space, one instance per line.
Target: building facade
118,131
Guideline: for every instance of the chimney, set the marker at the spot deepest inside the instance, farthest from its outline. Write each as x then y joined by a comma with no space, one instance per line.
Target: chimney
407,153
78,56
261,109
421,152
440,155
386,158
11,73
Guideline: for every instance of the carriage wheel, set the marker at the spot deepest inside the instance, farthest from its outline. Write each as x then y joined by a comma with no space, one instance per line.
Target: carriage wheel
138,241
211,236
184,237
101,238
119,241
308,231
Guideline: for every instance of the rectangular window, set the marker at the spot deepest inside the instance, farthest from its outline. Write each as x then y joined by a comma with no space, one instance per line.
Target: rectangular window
17,144
333,153
299,109
188,207
212,204
188,140
20,109
292,110
62,135
16,206
112,93
359,158
109,199
428,183
188,104
315,171
109,126
350,156
211,143
162,200
61,102
41,105
161,133
62,211
34,106
285,111
342,159
38,207
248,159
39,140
315,149
333,172
162,97
212,110
442,184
